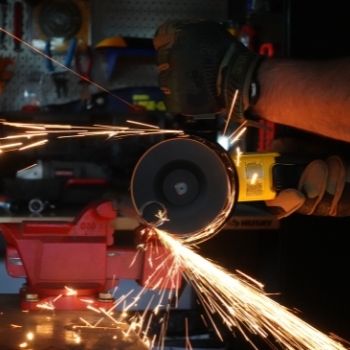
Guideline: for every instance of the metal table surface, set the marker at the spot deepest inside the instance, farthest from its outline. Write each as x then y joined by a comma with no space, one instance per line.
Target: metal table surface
54,330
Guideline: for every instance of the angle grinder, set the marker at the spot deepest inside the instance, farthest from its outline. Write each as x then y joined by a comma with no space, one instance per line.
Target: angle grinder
185,185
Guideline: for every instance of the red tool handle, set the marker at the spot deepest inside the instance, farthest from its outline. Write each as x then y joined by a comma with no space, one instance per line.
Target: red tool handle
267,49
17,24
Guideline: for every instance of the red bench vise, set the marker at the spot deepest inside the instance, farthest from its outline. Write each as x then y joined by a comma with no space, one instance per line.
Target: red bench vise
69,264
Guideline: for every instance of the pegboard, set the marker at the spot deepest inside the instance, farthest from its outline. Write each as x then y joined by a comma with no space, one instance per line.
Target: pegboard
140,18
134,18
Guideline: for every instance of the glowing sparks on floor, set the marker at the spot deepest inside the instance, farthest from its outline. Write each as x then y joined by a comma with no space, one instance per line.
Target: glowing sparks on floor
242,304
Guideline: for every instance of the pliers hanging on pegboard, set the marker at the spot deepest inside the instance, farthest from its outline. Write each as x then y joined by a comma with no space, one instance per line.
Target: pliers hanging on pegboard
59,78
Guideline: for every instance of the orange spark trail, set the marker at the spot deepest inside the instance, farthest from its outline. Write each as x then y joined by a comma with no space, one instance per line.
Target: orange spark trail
242,304
230,112
71,131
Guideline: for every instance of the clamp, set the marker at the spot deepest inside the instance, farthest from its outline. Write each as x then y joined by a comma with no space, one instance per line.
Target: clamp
57,256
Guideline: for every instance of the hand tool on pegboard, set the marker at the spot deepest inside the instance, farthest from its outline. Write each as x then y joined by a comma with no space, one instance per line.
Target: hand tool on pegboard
83,65
4,14
17,25
59,78
62,19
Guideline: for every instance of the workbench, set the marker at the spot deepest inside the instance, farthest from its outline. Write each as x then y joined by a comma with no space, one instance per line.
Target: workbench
57,330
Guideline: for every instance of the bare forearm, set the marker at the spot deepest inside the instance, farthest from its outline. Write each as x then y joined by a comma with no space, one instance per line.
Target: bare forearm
313,96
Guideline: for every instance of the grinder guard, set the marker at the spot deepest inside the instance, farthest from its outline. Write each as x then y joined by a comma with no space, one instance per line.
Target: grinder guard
184,185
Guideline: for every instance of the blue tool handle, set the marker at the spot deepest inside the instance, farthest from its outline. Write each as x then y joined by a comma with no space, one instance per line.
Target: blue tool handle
70,53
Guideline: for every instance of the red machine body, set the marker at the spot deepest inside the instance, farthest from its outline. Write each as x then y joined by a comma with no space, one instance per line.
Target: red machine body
70,264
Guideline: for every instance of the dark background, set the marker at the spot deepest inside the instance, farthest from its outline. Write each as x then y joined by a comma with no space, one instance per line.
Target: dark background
307,260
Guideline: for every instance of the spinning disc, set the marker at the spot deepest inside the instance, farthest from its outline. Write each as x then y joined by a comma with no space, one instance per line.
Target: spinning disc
191,182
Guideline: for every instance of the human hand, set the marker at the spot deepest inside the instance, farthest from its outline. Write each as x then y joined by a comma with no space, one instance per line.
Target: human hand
200,67
323,190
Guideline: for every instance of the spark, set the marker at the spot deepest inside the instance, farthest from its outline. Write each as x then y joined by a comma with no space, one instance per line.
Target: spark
86,301
90,307
238,156
21,136
33,144
86,322
52,131
139,325
77,338
13,325
140,246
46,306
187,336
30,336
237,134
130,327
23,345
58,297
111,127
230,113
95,327
143,124
10,145
70,291
217,297
223,141
23,125
241,302
251,279
162,217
